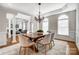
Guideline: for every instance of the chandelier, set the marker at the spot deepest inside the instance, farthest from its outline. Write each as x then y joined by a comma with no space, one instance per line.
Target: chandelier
39,18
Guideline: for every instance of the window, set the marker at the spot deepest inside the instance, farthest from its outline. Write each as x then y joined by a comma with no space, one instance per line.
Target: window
63,25
45,25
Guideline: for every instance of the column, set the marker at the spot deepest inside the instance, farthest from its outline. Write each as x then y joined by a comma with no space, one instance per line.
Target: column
9,28
26,25
14,28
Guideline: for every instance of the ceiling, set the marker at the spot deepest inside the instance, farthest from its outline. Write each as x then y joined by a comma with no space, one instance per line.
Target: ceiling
33,8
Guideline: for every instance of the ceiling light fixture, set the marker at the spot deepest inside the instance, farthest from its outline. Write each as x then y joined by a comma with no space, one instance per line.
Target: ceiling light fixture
39,18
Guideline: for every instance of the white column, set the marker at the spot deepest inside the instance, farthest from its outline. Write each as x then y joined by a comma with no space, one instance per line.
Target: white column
30,25
14,28
22,24
9,28
26,25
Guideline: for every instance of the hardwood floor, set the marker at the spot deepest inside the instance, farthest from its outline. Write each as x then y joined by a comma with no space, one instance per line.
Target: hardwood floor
71,47
61,47
73,50
10,43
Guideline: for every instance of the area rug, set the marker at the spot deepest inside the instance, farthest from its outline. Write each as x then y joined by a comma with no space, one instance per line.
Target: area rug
58,49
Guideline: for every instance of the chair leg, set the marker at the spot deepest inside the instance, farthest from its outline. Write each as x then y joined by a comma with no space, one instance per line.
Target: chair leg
37,45
24,51
34,48
20,50
27,51
50,45
45,49
53,43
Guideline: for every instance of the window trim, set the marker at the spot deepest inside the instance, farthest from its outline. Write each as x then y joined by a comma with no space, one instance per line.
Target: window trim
65,18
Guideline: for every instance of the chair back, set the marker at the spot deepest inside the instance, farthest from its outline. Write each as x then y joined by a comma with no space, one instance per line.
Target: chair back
52,36
23,40
48,37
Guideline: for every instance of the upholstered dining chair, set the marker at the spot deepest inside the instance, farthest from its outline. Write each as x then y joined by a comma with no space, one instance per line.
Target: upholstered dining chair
52,40
47,40
25,43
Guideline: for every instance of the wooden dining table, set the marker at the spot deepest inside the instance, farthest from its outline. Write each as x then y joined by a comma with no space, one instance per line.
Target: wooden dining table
34,37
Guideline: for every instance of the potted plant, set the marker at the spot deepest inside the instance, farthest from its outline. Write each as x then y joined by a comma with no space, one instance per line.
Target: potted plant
40,32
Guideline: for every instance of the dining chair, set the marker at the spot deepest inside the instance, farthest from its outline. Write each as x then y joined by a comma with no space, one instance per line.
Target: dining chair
47,40
25,43
52,39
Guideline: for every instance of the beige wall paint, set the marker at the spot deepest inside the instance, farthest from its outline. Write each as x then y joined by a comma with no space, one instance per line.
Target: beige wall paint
3,19
53,22
77,26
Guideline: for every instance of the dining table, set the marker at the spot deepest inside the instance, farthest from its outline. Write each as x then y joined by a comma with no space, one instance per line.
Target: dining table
34,37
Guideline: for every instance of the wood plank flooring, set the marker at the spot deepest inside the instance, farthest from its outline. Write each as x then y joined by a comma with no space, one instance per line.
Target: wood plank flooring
71,48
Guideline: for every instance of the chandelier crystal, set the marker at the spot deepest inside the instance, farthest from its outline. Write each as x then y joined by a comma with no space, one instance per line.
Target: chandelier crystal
39,18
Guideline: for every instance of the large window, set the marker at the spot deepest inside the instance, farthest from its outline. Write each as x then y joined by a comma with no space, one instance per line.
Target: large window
63,25
45,25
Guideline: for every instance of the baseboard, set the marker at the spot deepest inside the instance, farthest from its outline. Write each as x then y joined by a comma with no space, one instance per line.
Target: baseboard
64,40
